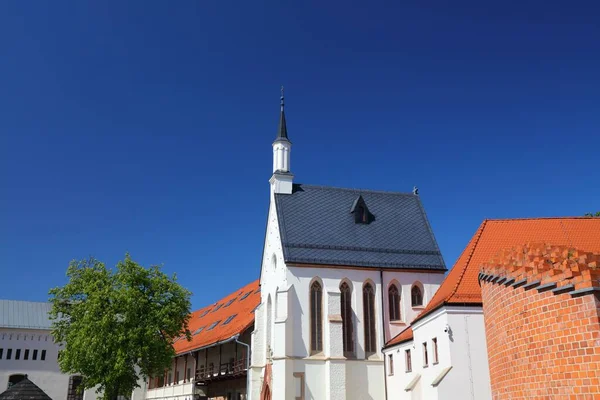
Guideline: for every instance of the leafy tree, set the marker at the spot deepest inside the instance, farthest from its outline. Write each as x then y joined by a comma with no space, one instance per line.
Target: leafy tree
117,326
597,214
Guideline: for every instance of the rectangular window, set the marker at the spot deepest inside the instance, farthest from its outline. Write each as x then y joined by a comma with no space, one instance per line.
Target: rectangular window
408,360
8,354
391,366
435,350
18,354
177,377
43,357
1,351
34,355
189,374
26,357
425,357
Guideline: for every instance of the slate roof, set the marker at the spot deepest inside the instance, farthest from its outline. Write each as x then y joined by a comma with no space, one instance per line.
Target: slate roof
460,287
24,390
24,314
317,227
229,316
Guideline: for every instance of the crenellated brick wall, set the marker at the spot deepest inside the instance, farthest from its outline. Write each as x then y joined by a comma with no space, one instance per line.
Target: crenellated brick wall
542,305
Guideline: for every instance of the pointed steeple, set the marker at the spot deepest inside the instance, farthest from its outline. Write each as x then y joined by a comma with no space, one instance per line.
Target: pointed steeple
282,129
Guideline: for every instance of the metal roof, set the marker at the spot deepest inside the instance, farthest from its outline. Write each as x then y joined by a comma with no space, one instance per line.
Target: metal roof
24,314
317,227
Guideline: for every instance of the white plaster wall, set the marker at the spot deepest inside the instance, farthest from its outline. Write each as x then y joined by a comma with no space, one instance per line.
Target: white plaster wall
463,348
45,374
470,373
404,280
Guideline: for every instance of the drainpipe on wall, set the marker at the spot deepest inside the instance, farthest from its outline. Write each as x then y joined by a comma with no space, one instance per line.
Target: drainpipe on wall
235,338
383,332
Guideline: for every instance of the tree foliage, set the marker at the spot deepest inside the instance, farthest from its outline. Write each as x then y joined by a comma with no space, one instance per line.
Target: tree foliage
117,326
597,214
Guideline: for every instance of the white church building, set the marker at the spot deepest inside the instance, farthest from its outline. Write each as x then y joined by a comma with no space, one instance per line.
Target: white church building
343,271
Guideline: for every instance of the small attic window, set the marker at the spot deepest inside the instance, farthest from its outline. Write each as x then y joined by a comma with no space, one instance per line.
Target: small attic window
228,303
360,211
217,307
213,325
229,319
204,313
244,296
197,331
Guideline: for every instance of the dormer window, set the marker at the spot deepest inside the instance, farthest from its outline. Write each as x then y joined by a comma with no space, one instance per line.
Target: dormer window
360,211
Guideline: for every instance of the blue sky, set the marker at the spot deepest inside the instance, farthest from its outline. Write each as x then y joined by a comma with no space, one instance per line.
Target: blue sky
146,127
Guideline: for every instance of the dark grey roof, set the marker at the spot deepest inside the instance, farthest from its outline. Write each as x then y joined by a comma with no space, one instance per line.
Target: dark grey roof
24,314
317,227
24,390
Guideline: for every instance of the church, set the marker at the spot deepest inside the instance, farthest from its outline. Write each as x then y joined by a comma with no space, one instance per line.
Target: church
343,271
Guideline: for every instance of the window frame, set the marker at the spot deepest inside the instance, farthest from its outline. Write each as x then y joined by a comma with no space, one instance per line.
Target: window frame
316,317
370,319
434,347
412,296
408,360
347,319
394,303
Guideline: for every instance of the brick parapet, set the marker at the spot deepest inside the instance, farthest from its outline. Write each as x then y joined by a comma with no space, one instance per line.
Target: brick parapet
541,307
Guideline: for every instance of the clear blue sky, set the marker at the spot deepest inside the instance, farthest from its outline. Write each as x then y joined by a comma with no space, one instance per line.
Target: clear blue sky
146,127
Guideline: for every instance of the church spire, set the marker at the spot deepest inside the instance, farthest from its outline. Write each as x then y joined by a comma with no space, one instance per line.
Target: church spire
282,130
281,181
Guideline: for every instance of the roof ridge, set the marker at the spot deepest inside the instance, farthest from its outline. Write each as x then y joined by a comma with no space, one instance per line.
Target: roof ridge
539,218
357,189
462,274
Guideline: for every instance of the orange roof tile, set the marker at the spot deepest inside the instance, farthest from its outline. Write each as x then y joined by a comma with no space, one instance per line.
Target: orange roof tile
229,316
461,286
402,337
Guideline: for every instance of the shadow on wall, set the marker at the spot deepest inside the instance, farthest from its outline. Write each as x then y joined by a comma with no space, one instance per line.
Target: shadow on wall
298,322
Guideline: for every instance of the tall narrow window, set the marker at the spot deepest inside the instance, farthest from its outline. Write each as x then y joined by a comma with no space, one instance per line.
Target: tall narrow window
416,296
8,354
316,318
18,354
425,356
435,350
1,351
73,392
26,357
369,317
408,360
34,355
391,364
347,320
394,303
43,357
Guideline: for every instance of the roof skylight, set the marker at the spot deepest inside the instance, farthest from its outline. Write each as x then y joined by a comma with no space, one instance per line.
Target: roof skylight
217,307
204,313
228,303
245,295
213,325
197,331
229,319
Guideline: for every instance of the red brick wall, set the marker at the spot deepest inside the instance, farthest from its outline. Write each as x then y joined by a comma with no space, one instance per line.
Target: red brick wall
542,345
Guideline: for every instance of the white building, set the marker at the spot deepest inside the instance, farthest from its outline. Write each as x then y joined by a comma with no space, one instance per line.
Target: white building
28,349
444,355
343,272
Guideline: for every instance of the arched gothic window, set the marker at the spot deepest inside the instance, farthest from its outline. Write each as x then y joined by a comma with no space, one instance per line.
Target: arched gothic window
347,322
416,296
316,318
394,303
369,318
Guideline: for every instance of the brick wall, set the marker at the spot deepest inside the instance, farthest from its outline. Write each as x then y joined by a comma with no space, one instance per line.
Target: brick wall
541,306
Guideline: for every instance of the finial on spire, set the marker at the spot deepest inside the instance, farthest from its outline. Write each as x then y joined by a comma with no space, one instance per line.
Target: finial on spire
416,191
282,129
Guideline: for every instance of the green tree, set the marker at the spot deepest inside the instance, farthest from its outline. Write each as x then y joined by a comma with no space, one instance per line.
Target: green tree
597,214
117,326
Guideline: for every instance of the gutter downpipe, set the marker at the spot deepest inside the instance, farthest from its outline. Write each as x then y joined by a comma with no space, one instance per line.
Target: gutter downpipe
383,332
235,338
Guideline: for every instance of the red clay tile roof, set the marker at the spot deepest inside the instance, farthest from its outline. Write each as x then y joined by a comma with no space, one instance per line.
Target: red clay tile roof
460,287
402,337
232,314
